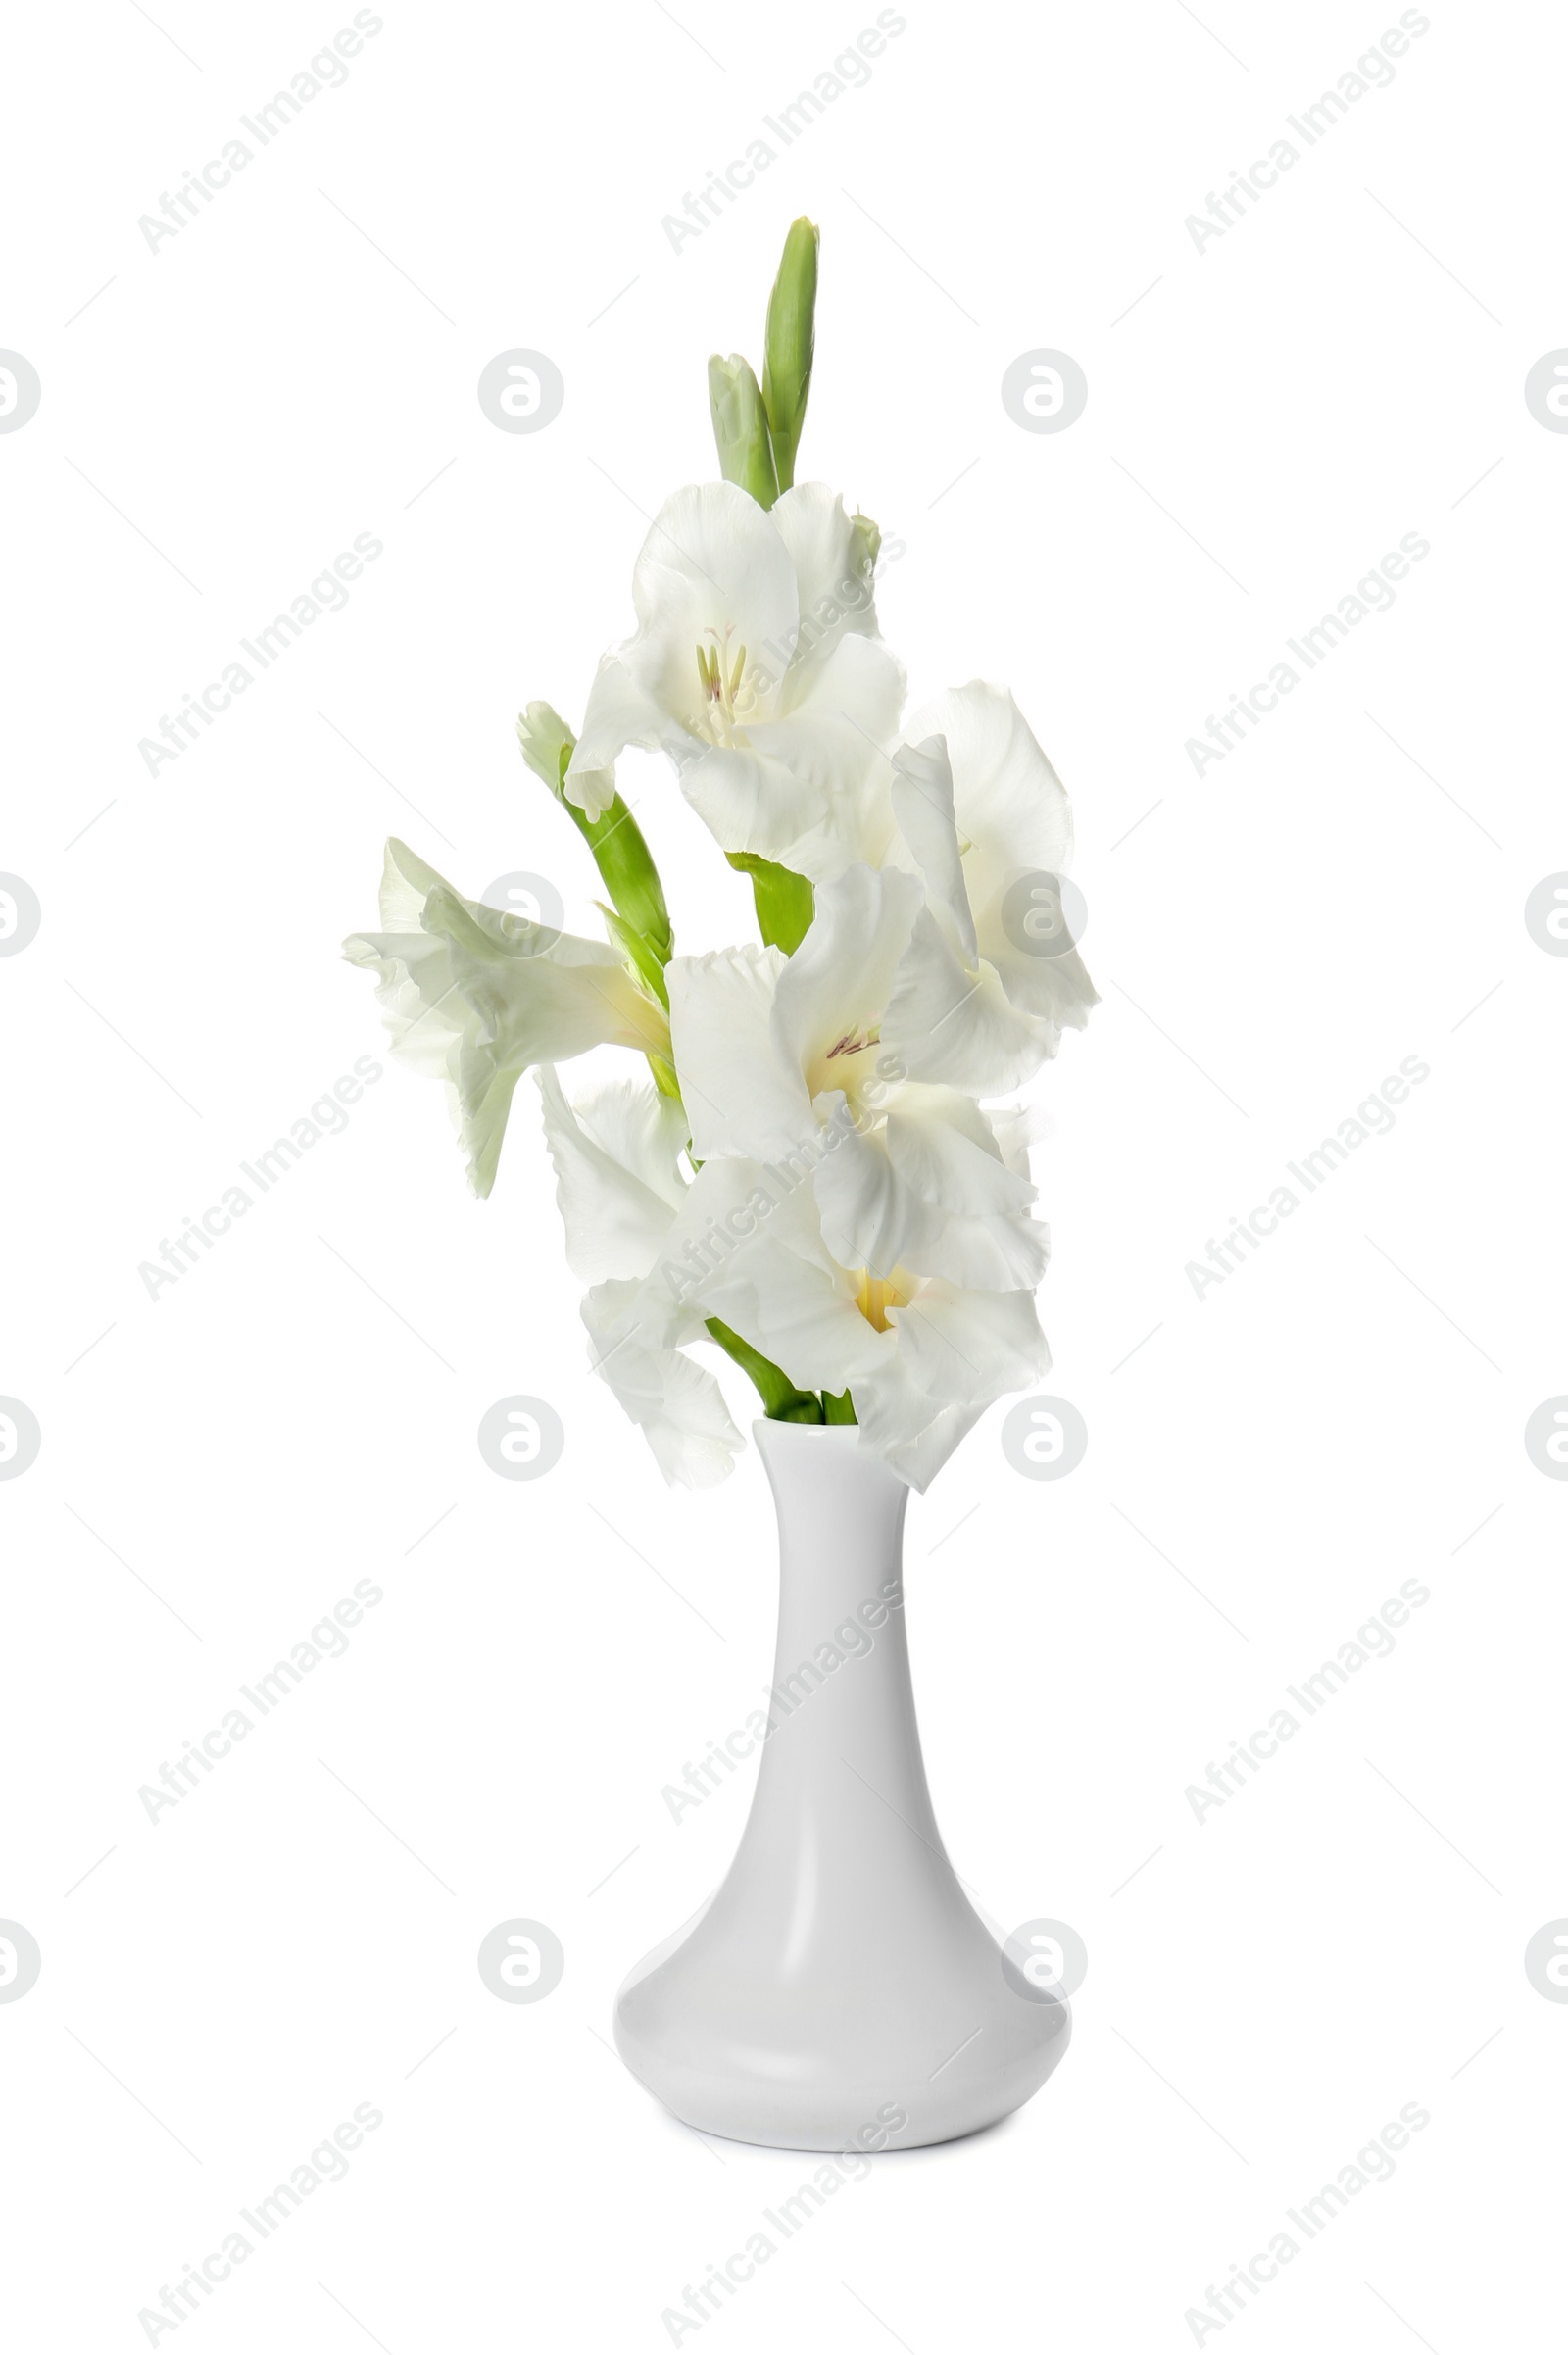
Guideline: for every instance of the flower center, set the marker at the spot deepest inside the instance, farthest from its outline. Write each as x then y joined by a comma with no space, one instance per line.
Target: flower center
721,684
874,1296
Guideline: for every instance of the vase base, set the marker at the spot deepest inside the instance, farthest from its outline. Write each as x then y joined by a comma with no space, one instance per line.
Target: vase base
884,2065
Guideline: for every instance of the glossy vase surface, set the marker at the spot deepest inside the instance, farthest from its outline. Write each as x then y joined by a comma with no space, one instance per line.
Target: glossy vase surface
837,1991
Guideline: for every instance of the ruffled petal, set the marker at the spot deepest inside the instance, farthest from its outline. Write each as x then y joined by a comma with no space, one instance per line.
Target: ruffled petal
911,1434
970,1349
619,712
1011,804
928,1193
1014,819
615,1154
805,779
922,804
800,1312
832,568
475,997
676,1405
956,1026
741,1094
829,1002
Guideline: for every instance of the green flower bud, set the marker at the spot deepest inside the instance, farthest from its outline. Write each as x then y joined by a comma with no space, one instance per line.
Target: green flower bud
867,537
547,744
740,428
791,341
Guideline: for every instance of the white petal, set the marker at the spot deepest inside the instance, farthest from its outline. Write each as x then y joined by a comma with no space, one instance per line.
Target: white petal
804,780
614,1155
406,885
922,804
967,1348
1014,819
618,713
476,997
828,1005
678,1407
912,1435
641,1129
1016,1127
839,718
750,800
832,575
712,573
958,1027
742,1096
798,1314
712,1224
930,1193
1011,804
1054,993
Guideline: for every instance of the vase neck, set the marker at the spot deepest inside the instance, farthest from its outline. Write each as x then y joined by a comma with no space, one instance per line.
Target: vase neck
840,1527
842,1761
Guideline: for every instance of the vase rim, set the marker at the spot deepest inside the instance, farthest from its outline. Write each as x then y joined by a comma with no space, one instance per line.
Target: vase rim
812,1431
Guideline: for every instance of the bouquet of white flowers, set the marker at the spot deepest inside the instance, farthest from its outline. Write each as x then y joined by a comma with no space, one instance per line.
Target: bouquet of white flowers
812,1177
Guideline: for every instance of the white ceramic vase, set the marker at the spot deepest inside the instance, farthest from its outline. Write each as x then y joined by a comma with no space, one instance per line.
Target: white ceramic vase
837,1991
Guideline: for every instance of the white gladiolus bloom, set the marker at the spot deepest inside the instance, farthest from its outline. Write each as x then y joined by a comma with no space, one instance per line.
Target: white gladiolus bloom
772,1052
980,812
861,1230
923,1355
757,667
475,997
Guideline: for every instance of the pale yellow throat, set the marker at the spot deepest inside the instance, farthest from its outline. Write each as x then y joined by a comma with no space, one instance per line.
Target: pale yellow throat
876,1295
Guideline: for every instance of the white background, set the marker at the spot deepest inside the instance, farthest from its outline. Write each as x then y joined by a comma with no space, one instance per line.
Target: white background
298,366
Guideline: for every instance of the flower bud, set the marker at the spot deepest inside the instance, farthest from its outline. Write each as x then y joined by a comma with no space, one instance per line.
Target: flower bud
867,538
547,744
791,340
740,428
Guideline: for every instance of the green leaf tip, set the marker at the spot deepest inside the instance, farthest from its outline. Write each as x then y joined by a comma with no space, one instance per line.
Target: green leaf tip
785,902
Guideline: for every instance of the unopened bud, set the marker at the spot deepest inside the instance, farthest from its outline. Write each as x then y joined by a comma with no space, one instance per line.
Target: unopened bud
740,428
791,341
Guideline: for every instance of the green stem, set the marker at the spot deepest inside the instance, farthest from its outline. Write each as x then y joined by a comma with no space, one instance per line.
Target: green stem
638,918
840,1410
782,1402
